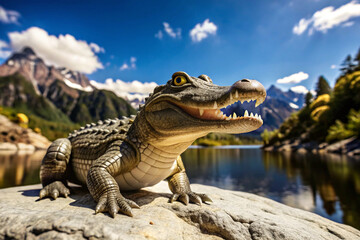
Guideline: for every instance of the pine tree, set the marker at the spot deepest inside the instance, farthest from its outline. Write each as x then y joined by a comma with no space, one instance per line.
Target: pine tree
348,65
308,99
357,59
322,87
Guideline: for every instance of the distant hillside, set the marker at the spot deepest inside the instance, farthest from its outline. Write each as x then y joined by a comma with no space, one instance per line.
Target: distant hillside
277,107
84,107
57,96
18,93
333,115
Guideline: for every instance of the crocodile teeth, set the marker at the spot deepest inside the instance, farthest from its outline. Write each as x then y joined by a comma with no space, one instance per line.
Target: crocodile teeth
201,111
258,102
234,115
256,115
236,94
251,115
215,105
246,114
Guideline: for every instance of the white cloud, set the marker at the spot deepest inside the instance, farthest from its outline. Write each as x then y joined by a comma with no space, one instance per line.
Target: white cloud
333,66
348,24
124,67
293,78
61,51
302,26
328,18
202,31
96,48
159,35
132,64
4,49
8,16
134,91
299,89
171,32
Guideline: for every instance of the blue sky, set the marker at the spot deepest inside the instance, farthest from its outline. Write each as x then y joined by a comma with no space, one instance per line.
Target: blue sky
245,39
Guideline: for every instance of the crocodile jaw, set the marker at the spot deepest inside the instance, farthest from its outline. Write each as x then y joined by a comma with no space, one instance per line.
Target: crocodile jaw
184,114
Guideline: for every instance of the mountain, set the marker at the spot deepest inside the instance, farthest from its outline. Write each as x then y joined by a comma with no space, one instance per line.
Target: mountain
84,107
17,92
33,68
55,95
295,100
277,107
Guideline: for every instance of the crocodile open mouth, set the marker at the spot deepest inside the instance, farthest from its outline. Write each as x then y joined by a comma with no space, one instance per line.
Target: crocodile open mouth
215,112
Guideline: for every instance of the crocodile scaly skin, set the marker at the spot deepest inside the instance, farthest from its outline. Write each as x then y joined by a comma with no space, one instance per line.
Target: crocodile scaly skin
140,151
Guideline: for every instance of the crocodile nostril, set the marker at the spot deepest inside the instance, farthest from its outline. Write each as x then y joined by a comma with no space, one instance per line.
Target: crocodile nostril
245,80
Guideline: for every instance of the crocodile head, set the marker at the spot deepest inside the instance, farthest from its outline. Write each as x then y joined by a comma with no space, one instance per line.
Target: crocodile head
186,108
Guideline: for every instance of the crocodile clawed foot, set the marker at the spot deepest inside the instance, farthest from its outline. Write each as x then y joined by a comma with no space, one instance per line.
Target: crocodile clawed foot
54,190
114,203
187,197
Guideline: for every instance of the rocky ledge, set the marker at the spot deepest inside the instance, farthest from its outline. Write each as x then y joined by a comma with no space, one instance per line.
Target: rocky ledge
350,147
15,138
232,215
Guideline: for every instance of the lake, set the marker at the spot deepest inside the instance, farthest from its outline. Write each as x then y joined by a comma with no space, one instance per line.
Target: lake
328,184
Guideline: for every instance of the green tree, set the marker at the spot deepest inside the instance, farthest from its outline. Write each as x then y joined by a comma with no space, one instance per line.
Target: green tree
322,87
348,65
308,99
266,136
357,59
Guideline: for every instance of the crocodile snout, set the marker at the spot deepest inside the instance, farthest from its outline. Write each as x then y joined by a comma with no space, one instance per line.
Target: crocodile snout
249,86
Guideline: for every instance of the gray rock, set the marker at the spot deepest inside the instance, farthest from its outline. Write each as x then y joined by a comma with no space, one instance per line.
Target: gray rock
16,138
344,146
5,146
301,150
232,215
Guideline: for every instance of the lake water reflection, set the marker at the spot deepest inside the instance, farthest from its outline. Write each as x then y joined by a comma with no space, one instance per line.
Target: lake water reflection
328,185
21,168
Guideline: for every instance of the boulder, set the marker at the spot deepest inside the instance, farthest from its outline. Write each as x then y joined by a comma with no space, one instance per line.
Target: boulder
285,148
232,215
344,146
14,137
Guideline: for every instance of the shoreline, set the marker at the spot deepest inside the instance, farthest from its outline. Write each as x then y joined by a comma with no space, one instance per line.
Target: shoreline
349,147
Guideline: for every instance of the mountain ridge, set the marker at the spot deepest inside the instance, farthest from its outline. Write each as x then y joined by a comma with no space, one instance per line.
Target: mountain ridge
33,68
29,86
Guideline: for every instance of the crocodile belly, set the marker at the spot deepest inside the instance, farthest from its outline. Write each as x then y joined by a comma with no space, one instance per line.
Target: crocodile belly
147,173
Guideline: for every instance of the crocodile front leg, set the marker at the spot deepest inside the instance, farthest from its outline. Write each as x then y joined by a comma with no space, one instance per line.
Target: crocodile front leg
53,169
180,187
120,157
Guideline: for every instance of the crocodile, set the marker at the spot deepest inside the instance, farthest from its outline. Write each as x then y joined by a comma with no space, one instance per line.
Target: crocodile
142,150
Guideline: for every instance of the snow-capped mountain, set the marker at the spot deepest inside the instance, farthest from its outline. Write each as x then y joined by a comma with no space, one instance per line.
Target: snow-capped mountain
134,92
55,91
33,68
295,100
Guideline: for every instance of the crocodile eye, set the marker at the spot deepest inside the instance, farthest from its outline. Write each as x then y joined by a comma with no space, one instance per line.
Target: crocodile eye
179,80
